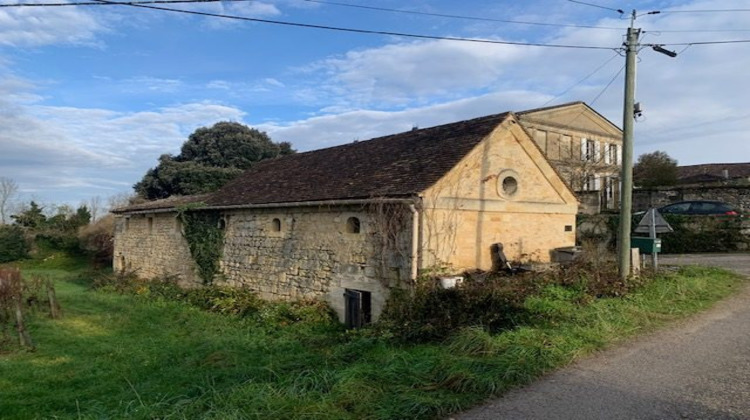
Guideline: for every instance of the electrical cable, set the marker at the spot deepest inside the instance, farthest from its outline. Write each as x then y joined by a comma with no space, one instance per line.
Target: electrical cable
581,81
732,41
596,98
620,11
96,3
363,31
519,22
412,12
705,11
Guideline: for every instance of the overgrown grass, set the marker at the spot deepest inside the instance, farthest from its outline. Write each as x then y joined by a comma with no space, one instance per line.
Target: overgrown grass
115,356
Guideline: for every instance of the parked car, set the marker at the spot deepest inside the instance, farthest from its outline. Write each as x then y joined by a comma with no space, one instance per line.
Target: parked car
697,207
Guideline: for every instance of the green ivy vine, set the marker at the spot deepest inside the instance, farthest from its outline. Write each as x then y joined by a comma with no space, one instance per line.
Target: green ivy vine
204,237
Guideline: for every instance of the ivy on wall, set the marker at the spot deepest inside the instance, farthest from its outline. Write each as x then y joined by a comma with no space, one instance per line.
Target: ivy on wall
204,237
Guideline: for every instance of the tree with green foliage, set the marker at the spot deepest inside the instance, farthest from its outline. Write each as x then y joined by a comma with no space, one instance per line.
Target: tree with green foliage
13,245
210,158
32,217
655,169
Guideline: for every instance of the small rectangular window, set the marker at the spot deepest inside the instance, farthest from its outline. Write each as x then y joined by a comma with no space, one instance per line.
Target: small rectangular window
150,225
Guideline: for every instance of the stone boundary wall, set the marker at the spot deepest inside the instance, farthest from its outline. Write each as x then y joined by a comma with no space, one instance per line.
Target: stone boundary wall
152,245
282,254
737,195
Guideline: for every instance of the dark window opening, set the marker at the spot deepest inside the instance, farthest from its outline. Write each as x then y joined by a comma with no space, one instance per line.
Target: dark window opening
510,185
150,225
353,225
276,225
357,308
568,228
223,223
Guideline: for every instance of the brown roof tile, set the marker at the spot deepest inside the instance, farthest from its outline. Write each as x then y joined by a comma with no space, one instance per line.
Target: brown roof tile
712,172
397,165
163,204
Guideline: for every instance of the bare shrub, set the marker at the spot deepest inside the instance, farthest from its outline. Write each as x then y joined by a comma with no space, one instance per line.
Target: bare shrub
97,239
11,306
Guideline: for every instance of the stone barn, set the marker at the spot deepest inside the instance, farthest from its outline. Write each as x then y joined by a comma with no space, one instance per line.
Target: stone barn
349,222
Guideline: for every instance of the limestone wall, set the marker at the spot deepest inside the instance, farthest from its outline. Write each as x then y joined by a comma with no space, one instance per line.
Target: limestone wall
282,254
737,195
314,253
503,191
153,245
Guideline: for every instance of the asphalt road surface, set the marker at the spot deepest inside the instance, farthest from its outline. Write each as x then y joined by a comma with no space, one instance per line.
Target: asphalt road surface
696,369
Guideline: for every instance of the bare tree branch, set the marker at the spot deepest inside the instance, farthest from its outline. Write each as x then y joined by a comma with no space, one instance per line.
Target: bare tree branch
8,189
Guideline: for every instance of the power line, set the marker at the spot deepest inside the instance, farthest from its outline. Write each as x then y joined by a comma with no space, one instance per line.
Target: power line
519,22
620,11
96,3
362,31
732,41
582,80
443,15
705,11
656,32
596,98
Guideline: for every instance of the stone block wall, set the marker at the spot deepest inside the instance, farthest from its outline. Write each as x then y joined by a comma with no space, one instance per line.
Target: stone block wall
737,195
153,245
282,254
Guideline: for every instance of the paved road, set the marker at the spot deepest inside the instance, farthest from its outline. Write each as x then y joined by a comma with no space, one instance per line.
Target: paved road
698,369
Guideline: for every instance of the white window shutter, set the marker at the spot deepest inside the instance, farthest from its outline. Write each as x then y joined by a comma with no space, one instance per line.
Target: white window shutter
583,148
619,154
597,151
607,148
597,183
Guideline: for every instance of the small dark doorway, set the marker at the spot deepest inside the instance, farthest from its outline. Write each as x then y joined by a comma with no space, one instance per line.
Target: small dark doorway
357,306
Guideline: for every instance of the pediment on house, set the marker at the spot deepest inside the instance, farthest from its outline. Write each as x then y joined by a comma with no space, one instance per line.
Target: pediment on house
575,117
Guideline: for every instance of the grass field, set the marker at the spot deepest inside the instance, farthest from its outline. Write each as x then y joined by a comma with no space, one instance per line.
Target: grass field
124,356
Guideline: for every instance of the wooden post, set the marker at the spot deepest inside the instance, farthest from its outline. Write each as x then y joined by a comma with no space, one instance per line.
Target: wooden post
54,306
23,336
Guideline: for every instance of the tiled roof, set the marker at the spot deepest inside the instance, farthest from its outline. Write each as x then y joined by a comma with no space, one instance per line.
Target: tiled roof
392,166
712,172
166,203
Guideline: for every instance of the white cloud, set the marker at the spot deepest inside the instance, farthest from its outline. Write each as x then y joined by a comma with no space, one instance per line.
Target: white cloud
152,84
273,82
219,84
681,97
37,26
410,73
66,153
330,130
251,9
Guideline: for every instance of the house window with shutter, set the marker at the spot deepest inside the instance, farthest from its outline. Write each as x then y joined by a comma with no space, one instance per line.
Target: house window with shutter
611,156
588,149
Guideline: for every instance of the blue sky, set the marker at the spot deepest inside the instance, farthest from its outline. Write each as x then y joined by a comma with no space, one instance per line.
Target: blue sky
90,96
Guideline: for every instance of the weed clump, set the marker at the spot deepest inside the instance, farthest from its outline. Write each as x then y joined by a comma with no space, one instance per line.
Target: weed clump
496,302
236,301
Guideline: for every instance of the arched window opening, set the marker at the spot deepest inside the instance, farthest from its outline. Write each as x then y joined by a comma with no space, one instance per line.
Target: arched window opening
353,225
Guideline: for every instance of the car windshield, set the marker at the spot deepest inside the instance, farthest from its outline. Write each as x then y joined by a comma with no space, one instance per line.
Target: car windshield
679,208
709,208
